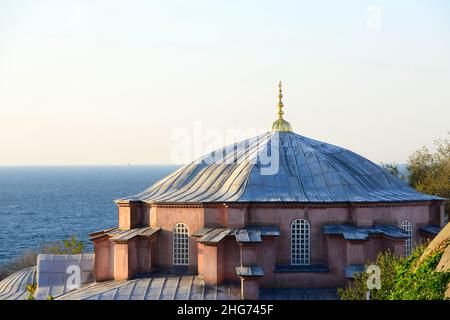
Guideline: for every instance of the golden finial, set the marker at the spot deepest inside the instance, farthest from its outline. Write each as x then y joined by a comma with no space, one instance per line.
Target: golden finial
280,124
280,100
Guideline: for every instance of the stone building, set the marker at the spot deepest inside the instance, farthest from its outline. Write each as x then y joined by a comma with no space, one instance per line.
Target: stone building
276,211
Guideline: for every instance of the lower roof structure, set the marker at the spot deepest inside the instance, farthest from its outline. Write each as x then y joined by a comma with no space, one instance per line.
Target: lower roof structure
351,232
158,287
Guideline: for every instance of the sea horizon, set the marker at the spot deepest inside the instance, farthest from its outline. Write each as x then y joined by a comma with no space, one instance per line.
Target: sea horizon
47,203
42,204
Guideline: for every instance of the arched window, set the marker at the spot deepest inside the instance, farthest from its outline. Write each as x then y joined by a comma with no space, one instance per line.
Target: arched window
407,226
300,234
180,244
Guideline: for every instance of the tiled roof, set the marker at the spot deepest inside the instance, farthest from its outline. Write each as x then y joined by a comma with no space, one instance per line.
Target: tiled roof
156,288
249,271
54,271
352,232
119,235
305,170
433,230
353,269
243,235
14,287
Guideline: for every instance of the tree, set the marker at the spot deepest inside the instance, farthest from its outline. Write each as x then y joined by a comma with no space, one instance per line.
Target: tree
387,263
430,172
393,169
67,246
402,278
29,258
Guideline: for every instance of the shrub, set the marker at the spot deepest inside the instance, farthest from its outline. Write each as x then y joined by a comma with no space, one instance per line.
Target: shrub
402,279
29,258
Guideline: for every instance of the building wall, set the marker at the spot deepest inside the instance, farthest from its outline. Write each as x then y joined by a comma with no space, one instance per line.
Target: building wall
166,219
333,251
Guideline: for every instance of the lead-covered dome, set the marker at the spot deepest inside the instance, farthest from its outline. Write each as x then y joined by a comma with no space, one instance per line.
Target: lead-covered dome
280,166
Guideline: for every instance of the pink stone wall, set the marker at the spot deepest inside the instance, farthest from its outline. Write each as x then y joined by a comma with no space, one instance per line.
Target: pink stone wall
211,263
133,262
249,255
218,263
166,218
129,215
236,217
103,257
124,217
335,251
266,251
283,217
250,289
215,217
121,261
144,255
232,256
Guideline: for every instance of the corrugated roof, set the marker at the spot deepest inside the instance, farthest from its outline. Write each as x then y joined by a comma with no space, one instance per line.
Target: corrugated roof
305,170
353,269
249,271
248,236
14,287
352,232
433,230
118,234
243,235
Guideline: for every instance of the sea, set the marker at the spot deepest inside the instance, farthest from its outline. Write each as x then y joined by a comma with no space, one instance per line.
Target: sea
41,204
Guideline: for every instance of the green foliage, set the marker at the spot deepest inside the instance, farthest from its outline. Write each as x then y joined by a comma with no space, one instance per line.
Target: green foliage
73,246
31,289
420,282
387,262
28,259
402,279
430,172
69,246
427,171
392,168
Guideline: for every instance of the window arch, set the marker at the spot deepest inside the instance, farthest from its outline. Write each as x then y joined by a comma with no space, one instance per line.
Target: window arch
300,242
407,226
180,244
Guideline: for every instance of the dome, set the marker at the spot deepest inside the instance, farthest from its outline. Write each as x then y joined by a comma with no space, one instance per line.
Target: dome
280,166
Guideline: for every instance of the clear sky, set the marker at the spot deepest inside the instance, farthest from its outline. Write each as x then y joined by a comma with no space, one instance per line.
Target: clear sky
110,82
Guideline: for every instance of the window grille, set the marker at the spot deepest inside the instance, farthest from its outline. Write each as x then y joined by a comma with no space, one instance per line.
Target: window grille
180,244
407,226
300,242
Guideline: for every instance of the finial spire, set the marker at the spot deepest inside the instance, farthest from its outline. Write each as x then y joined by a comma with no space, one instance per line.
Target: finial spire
280,100
280,124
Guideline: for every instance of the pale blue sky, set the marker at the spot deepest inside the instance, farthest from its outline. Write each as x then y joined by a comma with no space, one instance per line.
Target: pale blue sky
108,82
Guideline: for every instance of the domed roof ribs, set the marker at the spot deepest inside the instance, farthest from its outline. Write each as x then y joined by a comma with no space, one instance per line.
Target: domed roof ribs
193,190
250,154
298,176
171,184
310,171
335,164
243,186
193,169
